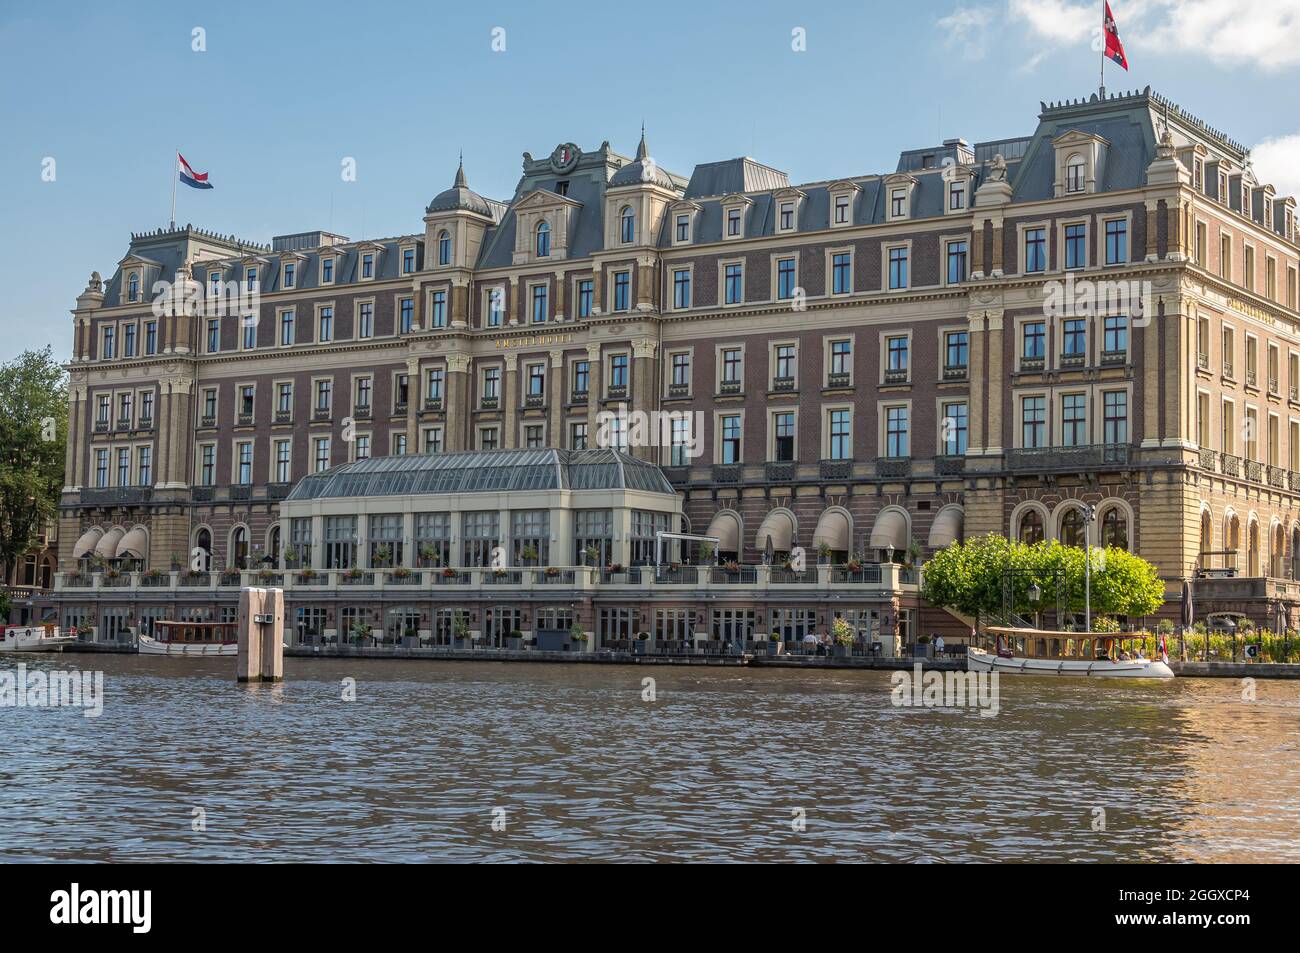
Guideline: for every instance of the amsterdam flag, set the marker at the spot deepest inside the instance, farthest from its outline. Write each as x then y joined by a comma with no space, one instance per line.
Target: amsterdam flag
1114,48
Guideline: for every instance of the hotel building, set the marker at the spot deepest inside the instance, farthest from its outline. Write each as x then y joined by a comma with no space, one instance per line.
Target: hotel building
871,367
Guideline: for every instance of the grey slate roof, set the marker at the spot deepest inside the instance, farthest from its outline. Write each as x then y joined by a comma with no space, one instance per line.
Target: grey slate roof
461,197
484,471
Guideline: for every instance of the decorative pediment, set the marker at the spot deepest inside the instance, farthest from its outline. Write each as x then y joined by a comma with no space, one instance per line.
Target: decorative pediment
542,199
842,186
138,261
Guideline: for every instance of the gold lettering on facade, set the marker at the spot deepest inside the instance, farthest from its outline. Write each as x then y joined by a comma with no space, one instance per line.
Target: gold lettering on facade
532,340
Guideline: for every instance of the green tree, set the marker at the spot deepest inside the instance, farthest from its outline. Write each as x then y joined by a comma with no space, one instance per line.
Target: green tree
33,435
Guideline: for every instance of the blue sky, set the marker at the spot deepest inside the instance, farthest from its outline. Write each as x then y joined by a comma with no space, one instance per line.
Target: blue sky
285,91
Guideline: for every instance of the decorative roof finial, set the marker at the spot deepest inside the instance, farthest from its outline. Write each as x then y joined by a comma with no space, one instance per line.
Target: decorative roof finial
642,150
460,182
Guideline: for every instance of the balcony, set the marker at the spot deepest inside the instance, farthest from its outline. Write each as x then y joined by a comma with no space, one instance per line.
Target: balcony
677,475
244,420
1227,370
399,408
949,465
726,473
1252,379
146,423
1202,361
835,469
1277,477
1111,358
841,379
123,423
433,403
955,372
322,414
208,420
728,388
780,384
1273,388
780,471
1031,363
361,412
488,403
203,494
278,491
893,467
284,416
616,392
533,401
1047,459
896,376
1254,471
1293,481
101,426
241,491
116,495
679,390
1073,360
578,397
1208,458
1229,465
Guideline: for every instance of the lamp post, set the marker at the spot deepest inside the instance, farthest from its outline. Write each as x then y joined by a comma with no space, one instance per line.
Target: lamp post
1089,516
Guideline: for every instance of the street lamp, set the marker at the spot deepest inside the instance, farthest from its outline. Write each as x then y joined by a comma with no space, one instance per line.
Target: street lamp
1089,516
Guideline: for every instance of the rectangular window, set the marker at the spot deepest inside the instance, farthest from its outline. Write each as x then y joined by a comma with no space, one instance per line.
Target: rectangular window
896,349
101,468
1074,335
327,271
325,332
955,426
841,209
618,371
1074,420
785,356
401,392
151,337
733,281
783,437
408,261
681,369
123,467
956,262
362,444
244,456
733,222
581,378
681,288
787,216
365,320
105,408
841,357
289,274
1033,422
1115,333
250,332
1115,417
1035,249
438,309
144,466
146,407
896,432
533,439
246,395
578,436
128,341
433,384
214,335
207,465
496,307
367,266
536,380
487,438
622,290
785,278
405,314
1076,246
897,268
956,350
731,366
841,434
363,393
491,382
683,228
283,461
540,311
433,440
897,203
1116,241
730,427
286,328
841,273
1035,340
956,196
324,394
584,298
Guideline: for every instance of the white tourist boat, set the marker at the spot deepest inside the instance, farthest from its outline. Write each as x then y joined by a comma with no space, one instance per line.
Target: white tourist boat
192,639
33,638
1042,652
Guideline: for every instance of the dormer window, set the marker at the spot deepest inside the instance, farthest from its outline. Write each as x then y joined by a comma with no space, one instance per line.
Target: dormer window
408,261
290,270
786,217
956,196
214,283
250,278
898,203
683,228
627,225
1198,175
1074,173
542,244
367,266
444,247
1223,187
327,271
841,209
133,287
733,223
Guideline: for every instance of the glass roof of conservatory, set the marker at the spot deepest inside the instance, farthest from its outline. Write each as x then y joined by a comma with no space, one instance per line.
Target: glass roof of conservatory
484,471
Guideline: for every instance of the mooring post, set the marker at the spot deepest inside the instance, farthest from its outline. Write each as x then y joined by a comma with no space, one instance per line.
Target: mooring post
261,635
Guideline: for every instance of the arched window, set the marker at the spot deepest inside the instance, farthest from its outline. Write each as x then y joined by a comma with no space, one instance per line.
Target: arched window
543,239
444,247
1074,173
273,544
1031,527
203,543
627,225
1252,550
1072,527
1114,528
1277,558
1295,554
239,548
134,285
1207,538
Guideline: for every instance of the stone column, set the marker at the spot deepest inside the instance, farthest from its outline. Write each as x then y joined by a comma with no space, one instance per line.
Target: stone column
644,388
1150,435
993,439
456,399
459,303
1176,381
559,295
414,398
996,265
555,399
597,290
593,392
975,440
978,266
510,402
76,436
645,286
517,314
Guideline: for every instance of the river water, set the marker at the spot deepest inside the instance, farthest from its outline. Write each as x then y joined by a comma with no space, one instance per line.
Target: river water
441,761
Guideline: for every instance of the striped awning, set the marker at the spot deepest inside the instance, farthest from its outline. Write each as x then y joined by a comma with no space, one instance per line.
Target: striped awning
107,545
947,527
890,530
85,544
833,530
780,528
134,544
725,526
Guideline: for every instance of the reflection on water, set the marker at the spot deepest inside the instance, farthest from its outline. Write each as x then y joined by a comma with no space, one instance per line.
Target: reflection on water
713,770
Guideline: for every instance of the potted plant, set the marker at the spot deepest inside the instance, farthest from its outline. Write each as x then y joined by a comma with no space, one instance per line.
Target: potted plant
265,575
192,573
922,648
552,571
153,575
460,629
515,641
499,571
448,573
352,573
842,633
706,554
577,636
641,644
383,554
774,644
360,631
731,566
176,562
308,574
401,572
854,565
428,554
290,556
824,552
592,554
111,573
528,554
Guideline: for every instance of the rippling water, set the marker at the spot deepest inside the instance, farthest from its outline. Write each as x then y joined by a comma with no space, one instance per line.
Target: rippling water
584,768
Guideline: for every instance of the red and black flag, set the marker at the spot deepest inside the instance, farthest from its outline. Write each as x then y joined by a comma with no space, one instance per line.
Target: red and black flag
1114,48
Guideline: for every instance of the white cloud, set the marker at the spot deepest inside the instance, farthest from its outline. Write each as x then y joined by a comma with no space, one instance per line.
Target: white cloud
1277,163
1229,33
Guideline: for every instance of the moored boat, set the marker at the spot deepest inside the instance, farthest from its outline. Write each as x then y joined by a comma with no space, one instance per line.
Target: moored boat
33,638
197,639
1042,652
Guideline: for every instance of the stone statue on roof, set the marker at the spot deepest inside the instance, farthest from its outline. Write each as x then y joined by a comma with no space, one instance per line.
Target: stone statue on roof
998,168
96,283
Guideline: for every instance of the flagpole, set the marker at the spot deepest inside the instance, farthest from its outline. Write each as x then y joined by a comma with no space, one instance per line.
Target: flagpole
1101,92
174,177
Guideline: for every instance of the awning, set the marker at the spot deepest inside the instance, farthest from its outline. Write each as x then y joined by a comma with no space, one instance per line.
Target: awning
890,530
726,527
107,545
134,544
85,545
947,527
833,530
780,527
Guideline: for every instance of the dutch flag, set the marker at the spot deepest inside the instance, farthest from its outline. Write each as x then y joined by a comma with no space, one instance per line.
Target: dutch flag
195,180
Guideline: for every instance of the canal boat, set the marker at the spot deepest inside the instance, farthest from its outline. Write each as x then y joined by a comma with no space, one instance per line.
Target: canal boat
197,639
1042,652
33,638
